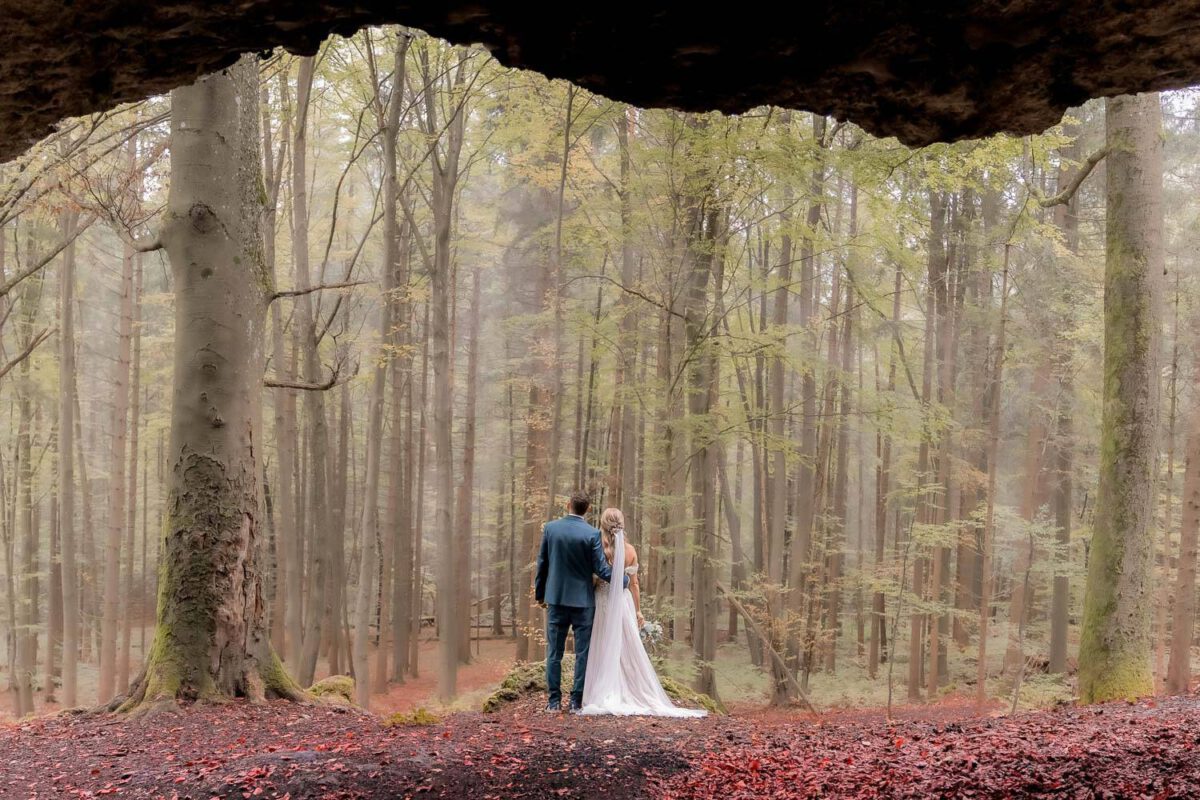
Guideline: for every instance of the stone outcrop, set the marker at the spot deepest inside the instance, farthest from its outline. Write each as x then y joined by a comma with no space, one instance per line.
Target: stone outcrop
913,69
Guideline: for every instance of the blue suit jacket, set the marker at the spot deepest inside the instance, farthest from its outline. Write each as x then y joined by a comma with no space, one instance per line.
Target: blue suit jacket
570,554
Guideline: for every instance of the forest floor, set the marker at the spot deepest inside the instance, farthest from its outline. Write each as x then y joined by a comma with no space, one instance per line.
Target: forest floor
283,750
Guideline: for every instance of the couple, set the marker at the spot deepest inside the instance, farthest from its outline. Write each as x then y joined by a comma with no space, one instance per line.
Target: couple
606,622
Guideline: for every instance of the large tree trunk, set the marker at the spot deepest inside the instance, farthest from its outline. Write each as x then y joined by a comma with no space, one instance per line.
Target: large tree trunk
1114,651
211,640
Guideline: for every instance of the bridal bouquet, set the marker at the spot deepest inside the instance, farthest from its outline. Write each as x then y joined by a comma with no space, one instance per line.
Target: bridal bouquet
652,634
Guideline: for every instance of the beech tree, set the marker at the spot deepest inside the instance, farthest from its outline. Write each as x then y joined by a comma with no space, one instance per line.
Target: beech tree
1116,643
211,638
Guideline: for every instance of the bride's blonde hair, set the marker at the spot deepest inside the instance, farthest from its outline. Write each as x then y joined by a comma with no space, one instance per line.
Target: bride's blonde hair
610,521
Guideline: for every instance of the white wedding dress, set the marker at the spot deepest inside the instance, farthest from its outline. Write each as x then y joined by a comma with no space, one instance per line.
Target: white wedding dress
620,678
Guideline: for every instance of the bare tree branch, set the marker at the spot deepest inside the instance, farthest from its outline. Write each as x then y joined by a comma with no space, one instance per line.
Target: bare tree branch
147,245
28,351
49,256
311,289
335,379
1085,169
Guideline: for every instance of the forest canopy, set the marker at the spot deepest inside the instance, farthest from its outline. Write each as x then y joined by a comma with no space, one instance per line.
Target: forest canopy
874,429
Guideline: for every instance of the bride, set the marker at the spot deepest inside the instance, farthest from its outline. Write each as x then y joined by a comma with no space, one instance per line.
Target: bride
620,678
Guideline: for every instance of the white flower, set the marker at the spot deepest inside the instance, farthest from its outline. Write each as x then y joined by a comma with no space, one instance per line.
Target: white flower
651,632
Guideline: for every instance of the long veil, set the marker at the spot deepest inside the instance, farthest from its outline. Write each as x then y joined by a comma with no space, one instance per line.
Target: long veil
621,678
604,665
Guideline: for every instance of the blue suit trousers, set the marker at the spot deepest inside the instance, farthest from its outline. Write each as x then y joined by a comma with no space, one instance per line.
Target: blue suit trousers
559,619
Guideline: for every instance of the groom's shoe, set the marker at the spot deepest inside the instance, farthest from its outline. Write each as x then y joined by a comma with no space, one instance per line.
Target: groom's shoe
552,708
576,707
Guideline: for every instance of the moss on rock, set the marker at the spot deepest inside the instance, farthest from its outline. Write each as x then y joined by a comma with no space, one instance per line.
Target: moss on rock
528,678
686,695
336,688
418,716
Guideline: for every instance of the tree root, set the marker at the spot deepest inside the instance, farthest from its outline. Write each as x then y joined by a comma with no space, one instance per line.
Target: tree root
259,683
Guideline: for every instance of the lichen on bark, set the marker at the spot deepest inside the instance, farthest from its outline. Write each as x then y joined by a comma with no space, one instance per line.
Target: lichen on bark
1115,643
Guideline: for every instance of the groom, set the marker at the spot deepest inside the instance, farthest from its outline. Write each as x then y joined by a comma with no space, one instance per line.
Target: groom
571,553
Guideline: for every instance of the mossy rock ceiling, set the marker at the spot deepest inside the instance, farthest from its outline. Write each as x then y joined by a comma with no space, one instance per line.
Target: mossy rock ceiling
917,70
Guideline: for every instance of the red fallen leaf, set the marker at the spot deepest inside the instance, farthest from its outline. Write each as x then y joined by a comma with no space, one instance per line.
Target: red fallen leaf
900,742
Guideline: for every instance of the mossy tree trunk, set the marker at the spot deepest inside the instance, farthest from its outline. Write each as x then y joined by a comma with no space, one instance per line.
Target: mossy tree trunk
1115,648
211,639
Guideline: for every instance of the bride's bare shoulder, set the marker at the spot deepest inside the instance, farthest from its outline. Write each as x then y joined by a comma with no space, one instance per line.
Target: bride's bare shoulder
630,554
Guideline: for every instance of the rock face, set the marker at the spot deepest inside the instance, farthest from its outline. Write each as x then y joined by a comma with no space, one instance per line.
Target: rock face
914,69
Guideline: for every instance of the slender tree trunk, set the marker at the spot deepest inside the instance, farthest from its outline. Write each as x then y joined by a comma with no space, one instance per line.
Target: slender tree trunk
1066,219
88,597
108,686
317,607
989,525
389,118
404,464
368,563
623,468
704,379
877,650
25,530
66,467
466,487
841,473
1163,598
1179,669
419,490
341,521
123,658
803,557
1031,501
50,670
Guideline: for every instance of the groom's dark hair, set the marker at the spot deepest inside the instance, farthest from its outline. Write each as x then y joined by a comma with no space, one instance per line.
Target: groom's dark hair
580,502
